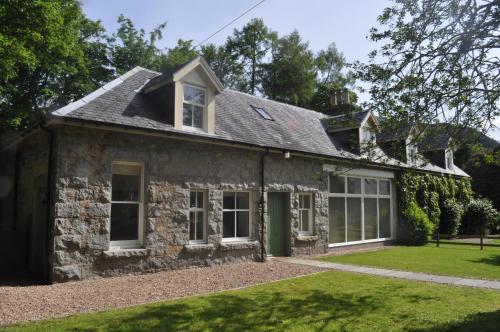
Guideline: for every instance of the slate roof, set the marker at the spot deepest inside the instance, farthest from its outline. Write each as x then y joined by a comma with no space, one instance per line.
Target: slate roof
352,120
122,103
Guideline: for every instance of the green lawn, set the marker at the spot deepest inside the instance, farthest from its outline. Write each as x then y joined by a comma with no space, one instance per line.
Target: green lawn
447,259
329,301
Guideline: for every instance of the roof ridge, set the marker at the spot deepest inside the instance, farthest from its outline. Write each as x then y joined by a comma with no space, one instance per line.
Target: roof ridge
278,102
98,92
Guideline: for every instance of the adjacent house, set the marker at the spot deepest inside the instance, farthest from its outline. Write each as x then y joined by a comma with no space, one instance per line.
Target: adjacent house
164,171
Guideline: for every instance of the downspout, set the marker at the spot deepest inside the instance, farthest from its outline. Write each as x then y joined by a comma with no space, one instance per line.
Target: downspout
262,214
48,194
15,188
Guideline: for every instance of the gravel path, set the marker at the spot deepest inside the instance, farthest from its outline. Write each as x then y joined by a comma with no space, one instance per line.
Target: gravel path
24,303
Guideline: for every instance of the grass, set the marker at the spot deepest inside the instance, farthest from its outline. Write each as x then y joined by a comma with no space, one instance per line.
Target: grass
328,301
460,260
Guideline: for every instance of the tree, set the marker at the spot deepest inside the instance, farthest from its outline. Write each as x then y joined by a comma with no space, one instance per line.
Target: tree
290,76
250,46
180,54
129,47
51,54
438,63
223,63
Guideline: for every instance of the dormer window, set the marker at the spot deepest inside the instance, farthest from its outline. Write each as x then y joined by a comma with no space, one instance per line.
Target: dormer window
411,150
449,158
193,106
367,135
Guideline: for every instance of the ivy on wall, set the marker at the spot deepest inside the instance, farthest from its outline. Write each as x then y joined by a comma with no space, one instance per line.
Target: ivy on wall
428,192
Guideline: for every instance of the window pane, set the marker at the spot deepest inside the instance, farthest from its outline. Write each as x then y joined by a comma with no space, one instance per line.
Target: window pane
192,199
242,200
305,221
199,226
353,186
200,199
125,187
384,187
384,213
370,186
187,115
198,116
228,200
192,222
337,184
336,207
304,201
228,224
370,218
242,224
353,219
124,222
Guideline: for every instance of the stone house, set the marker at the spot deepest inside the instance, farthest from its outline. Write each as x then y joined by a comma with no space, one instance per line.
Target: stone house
164,171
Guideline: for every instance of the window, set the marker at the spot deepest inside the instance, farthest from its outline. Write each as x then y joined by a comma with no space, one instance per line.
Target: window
305,214
262,112
367,135
236,215
359,209
193,106
412,153
197,216
126,205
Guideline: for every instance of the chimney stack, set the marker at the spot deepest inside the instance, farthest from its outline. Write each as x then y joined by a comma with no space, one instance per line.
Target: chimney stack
340,97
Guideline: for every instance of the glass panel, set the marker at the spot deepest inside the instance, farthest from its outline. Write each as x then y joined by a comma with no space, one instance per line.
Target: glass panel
384,187
199,226
194,95
336,207
242,224
187,115
192,199
242,200
370,186
125,187
199,202
353,219
228,224
337,184
192,222
124,222
384,214
370,218
304,201
353,186
197,116
305,220
228,200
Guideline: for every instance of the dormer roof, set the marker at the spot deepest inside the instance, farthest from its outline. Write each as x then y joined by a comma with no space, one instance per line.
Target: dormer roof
176,73
350,121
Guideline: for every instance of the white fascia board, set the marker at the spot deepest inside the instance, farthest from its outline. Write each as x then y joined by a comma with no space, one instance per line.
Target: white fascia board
358,171
93,95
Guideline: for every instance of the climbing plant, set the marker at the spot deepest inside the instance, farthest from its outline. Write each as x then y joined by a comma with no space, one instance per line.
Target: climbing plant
429,193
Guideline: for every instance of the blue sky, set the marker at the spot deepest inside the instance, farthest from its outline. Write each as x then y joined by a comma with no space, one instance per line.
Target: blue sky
345,22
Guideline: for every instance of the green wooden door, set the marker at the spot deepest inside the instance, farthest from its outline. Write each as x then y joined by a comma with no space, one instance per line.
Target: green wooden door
277,228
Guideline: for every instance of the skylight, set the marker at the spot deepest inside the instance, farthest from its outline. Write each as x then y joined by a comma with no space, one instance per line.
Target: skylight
262,112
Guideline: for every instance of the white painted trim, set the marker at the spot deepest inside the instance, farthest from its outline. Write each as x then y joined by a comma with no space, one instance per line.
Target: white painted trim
344,244
93,95
364,172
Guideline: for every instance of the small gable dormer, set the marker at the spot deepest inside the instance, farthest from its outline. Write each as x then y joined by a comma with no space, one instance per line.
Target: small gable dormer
186,94
400,143
437,149
355,132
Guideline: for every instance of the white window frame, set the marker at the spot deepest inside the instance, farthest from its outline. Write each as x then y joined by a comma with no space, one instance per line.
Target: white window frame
204,105
130,244
362,195
449,154
310,213
411,153
250,219
195,210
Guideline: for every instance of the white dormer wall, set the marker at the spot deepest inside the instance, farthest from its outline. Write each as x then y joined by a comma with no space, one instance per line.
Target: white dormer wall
411,149
448,158
196,77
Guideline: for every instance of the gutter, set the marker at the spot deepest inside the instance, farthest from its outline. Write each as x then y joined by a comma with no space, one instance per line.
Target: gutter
50,165
262,212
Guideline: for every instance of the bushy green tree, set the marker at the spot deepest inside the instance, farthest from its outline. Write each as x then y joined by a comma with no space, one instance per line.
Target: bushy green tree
417,226
224,63
179,54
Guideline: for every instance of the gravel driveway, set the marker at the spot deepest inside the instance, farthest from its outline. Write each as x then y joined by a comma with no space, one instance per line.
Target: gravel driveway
24,303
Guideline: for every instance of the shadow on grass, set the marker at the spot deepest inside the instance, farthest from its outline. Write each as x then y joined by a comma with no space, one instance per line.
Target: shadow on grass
480,322
492,260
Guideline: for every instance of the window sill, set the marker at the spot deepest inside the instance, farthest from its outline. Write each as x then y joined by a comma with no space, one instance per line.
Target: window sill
238,245
307,238
199,247
126,253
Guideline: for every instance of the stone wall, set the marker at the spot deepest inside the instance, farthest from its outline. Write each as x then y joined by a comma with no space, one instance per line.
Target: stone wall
171,168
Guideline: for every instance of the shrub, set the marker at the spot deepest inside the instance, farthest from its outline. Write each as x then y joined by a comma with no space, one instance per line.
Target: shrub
479,216
418,225
451,215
